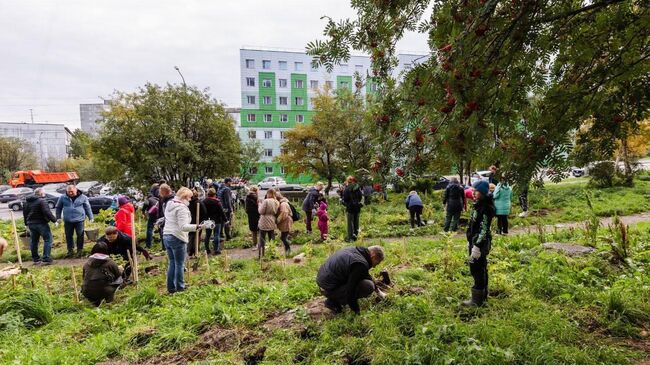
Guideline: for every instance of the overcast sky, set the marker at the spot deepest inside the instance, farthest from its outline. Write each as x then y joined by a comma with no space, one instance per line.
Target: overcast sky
58,54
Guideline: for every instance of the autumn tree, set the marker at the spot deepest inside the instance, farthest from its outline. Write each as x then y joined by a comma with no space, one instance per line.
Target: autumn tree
177,133
251,155
16,154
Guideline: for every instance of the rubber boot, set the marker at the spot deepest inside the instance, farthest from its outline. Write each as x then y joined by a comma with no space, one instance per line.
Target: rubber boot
478,297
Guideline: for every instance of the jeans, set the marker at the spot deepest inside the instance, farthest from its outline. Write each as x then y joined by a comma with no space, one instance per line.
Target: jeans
176,253
502,224
216,239
308,218
353,225
416,215
150,223
262,245
36,231
451,221
71,228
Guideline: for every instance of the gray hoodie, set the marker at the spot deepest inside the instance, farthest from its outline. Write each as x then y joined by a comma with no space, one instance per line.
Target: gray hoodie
178,220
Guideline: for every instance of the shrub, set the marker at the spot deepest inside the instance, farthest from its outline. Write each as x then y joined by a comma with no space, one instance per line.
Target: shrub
34,307
602,174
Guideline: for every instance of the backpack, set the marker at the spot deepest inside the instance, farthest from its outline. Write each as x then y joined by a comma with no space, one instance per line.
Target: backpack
295,216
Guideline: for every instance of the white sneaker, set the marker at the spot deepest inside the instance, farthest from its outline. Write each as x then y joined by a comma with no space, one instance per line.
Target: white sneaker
523,214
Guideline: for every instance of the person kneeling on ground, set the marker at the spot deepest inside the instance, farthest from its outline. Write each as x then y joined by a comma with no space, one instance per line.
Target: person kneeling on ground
344,277
118,243
101,276
479,241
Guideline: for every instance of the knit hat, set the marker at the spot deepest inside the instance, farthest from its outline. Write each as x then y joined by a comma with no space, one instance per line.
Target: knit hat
122,200
482,187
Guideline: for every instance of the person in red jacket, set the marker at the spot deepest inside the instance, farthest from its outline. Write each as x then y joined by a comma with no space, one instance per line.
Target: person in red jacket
123,216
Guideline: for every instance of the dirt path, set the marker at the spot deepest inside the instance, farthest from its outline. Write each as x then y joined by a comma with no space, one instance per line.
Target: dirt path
247,253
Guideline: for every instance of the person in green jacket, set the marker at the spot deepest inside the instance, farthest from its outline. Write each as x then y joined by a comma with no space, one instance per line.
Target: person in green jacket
502,196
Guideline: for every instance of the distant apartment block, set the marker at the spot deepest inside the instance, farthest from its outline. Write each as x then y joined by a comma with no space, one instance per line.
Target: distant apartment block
91,117
48,140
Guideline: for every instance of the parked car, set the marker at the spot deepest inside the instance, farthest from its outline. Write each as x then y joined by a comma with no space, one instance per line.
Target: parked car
90,188
441,184
51,198
15,194
98,203
56,188
480,175
271,182
4,188
292,191
578,172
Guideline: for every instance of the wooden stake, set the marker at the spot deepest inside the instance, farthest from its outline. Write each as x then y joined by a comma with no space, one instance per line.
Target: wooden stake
128,255
133,250
74,285
16,240
196,235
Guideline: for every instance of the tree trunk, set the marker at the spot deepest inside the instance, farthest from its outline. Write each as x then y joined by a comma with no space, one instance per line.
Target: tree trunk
469,172
328,188
461,172
626,162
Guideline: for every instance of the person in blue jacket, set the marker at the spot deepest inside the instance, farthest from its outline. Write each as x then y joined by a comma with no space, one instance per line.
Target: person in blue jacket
414,205
502,197
75,208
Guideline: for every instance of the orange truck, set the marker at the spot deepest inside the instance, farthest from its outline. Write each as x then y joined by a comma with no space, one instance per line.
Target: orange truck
38,177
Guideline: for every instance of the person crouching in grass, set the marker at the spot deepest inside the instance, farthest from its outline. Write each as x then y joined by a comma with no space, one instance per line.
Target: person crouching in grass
101,276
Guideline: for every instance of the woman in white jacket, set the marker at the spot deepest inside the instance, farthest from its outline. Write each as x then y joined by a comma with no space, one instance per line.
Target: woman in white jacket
175,236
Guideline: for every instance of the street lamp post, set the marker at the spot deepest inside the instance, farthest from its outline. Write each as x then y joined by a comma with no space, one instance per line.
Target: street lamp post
179,72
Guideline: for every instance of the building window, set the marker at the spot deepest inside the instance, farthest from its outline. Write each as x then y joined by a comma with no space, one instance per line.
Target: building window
282,170
268,118
268,152
282,65
250,81
329,84
299,84
251,117
300,118
252,134
297,66
313,84
344,66
266,83
282,82
299,100
268,134
266,64
250,63
253,170
266,100
268,170
284,118
283,100
250,99
283,134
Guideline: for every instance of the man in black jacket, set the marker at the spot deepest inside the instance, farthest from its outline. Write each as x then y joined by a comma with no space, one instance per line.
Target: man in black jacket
37,215
454,201
214,211
479,241
344,277
309,204
225,196
166,194
121,244
352,199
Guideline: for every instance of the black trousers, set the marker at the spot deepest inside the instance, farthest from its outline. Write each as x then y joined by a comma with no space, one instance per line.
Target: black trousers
479,271
261,247
96,294
340,295
502,224
284,237
416,216
308,218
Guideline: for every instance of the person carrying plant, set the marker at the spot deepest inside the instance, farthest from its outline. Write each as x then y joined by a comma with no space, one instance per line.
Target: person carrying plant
454,202
75,208
285,222
344,278
309,203
323,220
124,215
101,276
267,224
119,243
253,214
37,215
479,241
502,197
414,205
352,199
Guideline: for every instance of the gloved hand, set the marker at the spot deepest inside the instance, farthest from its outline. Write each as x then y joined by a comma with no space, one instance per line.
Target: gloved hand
146,255
56,224
476,253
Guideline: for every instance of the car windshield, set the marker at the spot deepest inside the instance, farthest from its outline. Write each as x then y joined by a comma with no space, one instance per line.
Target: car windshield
86,185
13,191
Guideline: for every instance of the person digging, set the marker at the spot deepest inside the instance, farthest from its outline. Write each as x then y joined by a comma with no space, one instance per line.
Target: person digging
344,277
121,244
479,242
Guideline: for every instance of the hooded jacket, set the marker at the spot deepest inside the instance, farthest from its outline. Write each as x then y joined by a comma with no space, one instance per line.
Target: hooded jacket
203,214
36,211
122,245
480,221
285,220
225,196
352,198
123,219
74,211
268,212
98,272
413,201
321,213
310,200
251,211
214,210
454,198
346,267
178,220
502,196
